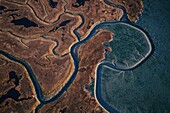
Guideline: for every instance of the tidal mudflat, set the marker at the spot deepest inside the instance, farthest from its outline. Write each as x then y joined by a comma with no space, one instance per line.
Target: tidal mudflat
129,47
147,87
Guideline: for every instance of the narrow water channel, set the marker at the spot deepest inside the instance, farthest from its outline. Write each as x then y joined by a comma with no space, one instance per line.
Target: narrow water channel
124,20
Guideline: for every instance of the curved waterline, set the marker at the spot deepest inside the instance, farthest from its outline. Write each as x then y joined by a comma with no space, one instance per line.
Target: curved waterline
30,72
146,37
91,33
76,61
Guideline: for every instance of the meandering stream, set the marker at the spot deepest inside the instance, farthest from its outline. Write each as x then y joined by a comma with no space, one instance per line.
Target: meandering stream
123,21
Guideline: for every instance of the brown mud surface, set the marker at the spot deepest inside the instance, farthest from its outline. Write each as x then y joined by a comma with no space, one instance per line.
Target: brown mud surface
16,89
77,98
41,32
134,8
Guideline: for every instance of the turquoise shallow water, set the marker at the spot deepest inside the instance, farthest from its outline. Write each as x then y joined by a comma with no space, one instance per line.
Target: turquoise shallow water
145,89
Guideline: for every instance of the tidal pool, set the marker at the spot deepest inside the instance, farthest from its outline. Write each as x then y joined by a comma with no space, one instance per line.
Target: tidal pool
130,46
145,89
135,91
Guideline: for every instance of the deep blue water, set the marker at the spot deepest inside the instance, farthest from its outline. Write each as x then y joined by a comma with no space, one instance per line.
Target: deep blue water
24,21
52,3
155,66
146,88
